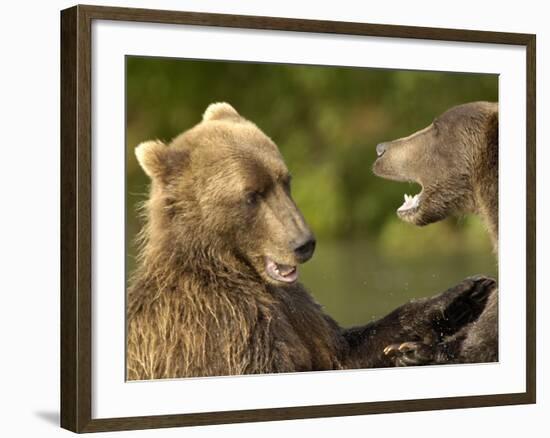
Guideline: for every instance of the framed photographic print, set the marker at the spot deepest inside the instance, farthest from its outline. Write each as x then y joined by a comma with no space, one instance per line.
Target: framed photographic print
267,218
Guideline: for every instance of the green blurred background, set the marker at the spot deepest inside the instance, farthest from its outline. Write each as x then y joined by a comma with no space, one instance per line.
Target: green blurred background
327,122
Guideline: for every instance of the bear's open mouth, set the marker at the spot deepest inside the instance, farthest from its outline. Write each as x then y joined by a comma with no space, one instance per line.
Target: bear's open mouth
411,203
279,272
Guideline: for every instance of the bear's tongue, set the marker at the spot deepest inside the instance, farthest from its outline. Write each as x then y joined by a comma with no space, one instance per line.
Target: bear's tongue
279,272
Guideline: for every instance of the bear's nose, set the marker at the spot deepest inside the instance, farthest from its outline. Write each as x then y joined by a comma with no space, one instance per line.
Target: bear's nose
304,249
380,149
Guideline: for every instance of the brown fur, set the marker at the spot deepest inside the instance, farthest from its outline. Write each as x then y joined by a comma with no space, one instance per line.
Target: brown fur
455,160
201,301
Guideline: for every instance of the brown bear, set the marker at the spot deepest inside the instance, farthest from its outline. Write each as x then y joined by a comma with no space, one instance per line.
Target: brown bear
215,291
455,160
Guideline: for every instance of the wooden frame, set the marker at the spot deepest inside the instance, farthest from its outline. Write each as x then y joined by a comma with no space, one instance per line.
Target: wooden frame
76,168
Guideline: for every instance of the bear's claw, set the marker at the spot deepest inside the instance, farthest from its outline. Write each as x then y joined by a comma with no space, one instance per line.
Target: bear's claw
409,353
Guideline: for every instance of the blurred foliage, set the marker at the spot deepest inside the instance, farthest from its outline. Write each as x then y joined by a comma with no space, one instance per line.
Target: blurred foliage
327,122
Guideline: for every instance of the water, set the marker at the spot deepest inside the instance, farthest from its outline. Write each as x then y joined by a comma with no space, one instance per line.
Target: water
355,282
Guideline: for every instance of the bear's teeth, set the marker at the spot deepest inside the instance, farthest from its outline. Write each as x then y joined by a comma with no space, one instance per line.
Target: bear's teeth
286,270
410,202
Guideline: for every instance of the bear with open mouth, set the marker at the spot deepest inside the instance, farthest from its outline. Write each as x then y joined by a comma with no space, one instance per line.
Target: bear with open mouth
215,290
455,161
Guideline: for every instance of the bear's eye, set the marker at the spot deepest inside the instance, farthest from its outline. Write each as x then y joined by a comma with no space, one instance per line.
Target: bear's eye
252,198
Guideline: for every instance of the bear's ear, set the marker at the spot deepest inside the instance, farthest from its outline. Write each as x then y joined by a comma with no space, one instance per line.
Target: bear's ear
160,162
151,157
219,111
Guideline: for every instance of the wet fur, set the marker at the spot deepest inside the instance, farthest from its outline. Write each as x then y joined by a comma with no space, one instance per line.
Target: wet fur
197,302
